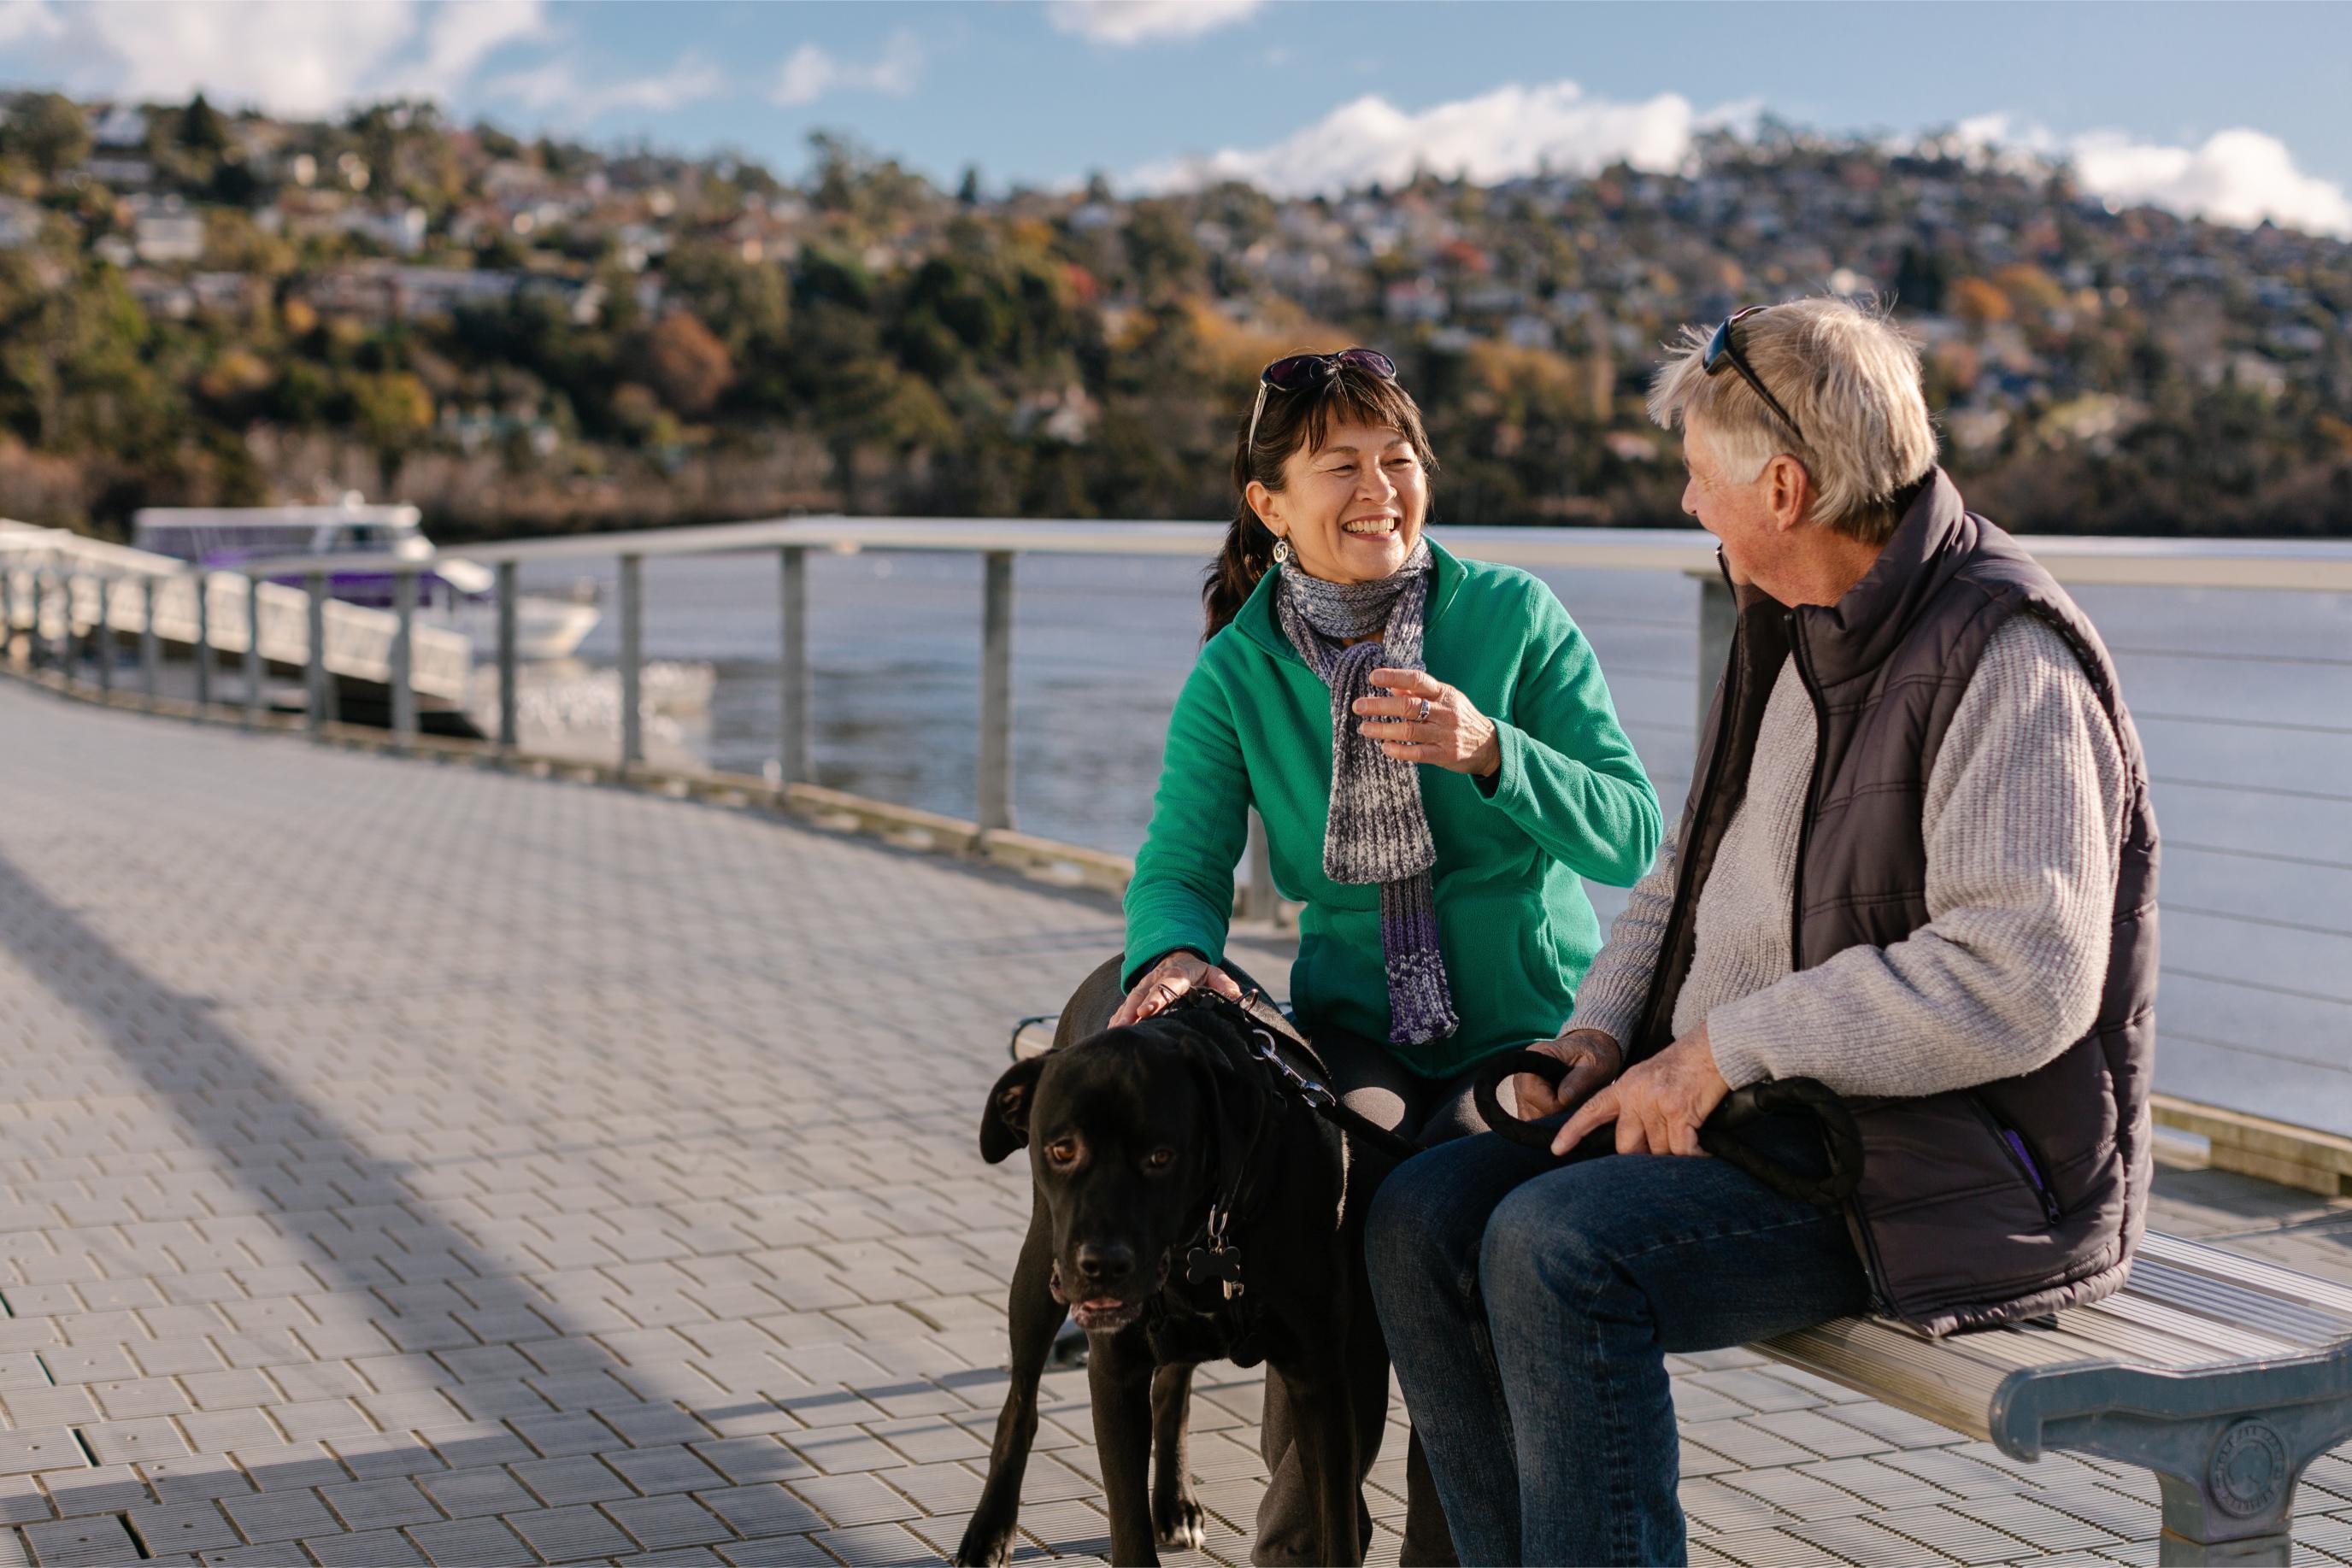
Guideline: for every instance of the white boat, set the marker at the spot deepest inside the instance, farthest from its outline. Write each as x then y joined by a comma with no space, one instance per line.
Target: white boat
457,593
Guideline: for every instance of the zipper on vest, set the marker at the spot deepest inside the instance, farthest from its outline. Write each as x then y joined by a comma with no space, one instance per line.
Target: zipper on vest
1812,793
2020,1155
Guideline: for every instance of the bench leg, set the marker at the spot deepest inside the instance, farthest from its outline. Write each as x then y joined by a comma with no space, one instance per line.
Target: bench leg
2228,1481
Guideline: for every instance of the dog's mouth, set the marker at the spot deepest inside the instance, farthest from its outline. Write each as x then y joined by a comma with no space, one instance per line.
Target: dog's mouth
1106,1314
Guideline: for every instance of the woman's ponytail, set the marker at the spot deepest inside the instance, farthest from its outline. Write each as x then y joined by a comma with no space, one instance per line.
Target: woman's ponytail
1248,551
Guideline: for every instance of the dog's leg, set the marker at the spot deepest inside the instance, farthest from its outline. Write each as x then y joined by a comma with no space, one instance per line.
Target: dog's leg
1118,1375
1177,1519
1325,1417
1033,1315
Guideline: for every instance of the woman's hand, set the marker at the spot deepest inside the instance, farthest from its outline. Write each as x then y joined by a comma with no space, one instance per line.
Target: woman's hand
1593,1057
1425,720
1167,980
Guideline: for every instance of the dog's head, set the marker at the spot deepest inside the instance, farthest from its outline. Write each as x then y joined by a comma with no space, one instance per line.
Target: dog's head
1127,1132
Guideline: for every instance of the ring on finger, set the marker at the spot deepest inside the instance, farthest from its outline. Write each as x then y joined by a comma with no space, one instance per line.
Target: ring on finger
1424,711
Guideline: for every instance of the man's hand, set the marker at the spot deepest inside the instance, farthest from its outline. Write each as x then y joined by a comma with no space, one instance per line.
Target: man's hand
1167,980
1453,735
1593,1057
1657,1104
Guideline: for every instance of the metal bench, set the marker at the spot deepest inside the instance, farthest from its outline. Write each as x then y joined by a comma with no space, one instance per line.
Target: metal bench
2223,1376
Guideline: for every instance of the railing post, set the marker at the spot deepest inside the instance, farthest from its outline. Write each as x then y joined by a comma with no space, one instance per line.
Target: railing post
102,634
404,659
151,646
1718,617
995,783
1260,903
253,667
315,585
507,725
203,650
35,655
633,660
793,738
7,608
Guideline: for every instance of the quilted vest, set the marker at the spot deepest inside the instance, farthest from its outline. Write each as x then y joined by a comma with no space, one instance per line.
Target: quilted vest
2013,1198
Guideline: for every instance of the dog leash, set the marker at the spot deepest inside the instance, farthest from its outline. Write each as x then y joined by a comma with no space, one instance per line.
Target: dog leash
1720,1135
1318,1096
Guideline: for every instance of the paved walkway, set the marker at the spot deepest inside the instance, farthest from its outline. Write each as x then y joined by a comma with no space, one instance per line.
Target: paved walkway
408,1164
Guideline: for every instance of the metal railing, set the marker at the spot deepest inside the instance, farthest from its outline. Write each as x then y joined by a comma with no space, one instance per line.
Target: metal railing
62,588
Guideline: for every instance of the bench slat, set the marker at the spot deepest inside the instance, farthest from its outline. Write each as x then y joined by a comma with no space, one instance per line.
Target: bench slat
2150,1330
1950,1382
2233,1306
2252,1273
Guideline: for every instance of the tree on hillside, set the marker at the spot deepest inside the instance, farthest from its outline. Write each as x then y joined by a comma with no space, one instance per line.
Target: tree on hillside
687,364
48,132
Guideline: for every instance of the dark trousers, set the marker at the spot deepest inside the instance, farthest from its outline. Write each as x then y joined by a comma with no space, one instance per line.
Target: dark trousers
1427,1110
1531,1306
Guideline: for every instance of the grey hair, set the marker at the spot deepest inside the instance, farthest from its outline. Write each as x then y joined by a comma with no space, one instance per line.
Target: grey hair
1847,375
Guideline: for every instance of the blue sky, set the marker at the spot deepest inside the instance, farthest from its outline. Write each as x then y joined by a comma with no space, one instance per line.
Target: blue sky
1296,93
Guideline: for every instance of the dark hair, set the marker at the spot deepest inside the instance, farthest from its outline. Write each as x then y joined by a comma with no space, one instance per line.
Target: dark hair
1293,419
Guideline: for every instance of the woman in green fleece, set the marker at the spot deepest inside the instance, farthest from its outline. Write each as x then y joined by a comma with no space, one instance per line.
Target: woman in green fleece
1438,763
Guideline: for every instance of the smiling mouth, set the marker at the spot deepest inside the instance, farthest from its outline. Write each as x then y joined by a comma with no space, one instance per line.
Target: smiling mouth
1372,527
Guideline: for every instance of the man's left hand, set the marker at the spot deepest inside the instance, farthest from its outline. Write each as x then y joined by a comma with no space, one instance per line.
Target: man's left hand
1453,736
1657,1104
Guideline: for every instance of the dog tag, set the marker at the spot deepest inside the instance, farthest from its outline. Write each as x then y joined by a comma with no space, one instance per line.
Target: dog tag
1223,1265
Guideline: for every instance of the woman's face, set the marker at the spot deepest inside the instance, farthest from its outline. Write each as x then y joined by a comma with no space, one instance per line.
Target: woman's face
1352,508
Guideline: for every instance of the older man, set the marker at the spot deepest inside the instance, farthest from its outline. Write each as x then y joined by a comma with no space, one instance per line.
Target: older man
1918,865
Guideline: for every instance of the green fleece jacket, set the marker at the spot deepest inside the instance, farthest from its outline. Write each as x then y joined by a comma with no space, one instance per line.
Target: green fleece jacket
1253,728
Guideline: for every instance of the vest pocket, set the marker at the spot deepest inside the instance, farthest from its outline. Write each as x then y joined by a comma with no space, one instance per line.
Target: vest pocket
2020,1156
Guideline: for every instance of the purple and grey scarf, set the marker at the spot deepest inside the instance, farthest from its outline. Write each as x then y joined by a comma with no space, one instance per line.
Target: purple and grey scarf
1377,831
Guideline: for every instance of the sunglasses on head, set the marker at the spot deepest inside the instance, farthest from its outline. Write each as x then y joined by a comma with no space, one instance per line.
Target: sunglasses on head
1297,372
1722,349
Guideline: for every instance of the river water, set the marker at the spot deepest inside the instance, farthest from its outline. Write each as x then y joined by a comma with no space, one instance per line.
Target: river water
2245,700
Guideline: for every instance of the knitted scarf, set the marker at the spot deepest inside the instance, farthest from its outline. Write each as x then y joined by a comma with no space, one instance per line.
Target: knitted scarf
1377,831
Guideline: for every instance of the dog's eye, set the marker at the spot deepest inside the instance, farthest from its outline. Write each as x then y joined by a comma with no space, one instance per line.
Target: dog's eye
1062,1151
1160,1159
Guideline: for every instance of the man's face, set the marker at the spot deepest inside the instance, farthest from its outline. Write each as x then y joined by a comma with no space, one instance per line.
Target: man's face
1738,512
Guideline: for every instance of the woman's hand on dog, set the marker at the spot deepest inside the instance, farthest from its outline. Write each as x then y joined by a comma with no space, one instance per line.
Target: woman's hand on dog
1594,1058
1453,736
1167,980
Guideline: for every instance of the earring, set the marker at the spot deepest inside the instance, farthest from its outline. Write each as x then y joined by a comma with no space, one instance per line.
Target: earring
1281,553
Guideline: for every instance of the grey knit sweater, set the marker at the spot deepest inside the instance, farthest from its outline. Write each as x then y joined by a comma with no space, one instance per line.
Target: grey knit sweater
2024,822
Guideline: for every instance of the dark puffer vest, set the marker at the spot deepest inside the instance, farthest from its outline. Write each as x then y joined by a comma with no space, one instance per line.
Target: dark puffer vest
2013,1198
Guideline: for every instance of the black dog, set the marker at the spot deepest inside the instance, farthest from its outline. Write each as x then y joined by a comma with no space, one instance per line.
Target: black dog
1185,1210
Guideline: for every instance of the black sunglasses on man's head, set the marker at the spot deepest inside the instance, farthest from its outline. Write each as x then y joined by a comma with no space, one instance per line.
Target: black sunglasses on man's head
1297,372
1722,349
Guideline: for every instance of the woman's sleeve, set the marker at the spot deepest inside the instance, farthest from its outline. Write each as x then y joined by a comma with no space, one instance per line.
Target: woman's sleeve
1182,892
1569,776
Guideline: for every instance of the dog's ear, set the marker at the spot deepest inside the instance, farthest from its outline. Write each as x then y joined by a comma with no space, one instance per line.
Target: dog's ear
1005,1125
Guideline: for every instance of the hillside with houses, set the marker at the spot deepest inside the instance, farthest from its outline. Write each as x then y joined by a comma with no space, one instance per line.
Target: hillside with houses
200,307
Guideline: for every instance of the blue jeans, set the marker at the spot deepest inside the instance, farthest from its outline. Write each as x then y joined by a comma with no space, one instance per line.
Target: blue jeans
1530,1307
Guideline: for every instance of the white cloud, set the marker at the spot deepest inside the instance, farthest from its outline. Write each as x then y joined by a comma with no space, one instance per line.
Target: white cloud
2238,176
290,58
1510,131
556,89
810,72
24,20
461,35
293,59
1124,22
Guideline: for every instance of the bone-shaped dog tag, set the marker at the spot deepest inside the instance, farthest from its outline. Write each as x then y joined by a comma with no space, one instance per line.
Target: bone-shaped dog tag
1223,1265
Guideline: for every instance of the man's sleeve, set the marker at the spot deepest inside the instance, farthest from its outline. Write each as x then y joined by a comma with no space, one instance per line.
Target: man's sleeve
1618,981
2024,825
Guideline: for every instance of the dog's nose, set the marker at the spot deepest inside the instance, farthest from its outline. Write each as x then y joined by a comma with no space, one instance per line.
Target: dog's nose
1107,1263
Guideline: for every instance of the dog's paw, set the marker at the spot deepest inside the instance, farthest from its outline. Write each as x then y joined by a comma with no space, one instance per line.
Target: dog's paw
1181,1524
983,1546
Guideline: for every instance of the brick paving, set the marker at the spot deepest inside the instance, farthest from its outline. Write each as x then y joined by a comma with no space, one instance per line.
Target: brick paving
403,1164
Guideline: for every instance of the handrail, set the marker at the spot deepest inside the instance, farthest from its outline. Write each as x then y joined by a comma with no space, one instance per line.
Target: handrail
2286,565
